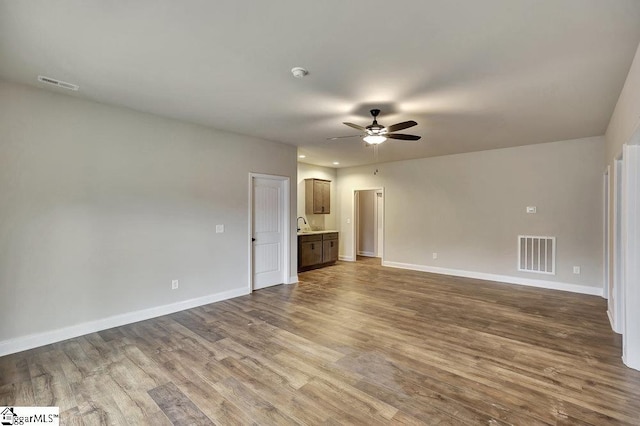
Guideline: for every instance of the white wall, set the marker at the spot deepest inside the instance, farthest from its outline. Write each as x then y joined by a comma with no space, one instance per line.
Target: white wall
316,221
470,208
102,207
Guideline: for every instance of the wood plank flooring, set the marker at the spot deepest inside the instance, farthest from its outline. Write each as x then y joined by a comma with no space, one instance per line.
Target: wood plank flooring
355,343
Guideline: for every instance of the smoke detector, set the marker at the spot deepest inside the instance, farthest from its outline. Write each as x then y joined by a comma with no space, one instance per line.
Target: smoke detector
299,72
58,83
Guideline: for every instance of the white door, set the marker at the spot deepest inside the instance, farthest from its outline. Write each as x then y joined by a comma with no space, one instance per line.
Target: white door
268,232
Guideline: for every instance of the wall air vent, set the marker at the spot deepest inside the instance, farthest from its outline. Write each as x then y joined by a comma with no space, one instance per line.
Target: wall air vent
537,254
58,83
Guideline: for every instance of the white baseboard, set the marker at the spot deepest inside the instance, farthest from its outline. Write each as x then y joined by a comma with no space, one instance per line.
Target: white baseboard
631,364
610,320
366,253
575,288
31,341
346,258
293,279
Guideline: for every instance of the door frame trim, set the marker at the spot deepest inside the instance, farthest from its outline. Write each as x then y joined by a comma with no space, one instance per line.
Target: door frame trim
286,208
379,213
618,244
631,244
606,219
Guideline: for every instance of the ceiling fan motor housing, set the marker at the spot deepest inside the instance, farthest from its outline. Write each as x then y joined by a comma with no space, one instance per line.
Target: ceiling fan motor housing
374,128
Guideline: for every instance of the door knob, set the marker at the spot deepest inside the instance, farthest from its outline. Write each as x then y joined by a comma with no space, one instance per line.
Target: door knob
253,239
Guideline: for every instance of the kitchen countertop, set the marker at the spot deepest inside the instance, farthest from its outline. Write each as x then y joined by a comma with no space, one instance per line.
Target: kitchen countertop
326,231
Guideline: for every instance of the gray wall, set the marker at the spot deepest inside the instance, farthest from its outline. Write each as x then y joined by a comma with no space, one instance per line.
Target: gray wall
626,116
470,208
102,207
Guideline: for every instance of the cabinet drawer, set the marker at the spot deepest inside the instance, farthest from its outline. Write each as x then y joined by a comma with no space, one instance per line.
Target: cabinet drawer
309,238
330,236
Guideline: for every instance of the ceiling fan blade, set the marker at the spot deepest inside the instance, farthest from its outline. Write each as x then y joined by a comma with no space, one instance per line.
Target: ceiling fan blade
401,126
355,126
402,137
343,137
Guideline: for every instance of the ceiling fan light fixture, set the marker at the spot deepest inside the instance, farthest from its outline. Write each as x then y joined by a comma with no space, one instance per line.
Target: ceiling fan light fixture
374,139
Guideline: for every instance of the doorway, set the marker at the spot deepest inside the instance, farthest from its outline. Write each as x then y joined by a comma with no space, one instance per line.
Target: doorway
269,232
368,223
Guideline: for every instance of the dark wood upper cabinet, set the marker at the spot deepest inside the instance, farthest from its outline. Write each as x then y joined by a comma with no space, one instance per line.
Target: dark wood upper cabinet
318,196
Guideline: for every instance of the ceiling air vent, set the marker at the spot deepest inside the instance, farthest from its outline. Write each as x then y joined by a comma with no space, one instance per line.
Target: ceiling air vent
58,83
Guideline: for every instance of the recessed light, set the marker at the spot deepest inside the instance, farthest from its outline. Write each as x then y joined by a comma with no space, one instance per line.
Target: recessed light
302,156
335,163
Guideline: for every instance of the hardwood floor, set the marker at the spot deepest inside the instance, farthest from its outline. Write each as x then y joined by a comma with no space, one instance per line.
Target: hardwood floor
355,343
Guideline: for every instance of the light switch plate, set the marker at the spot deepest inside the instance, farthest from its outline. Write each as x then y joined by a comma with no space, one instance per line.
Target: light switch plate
219,229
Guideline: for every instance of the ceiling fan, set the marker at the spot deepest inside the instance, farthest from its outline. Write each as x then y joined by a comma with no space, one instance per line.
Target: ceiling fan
375,134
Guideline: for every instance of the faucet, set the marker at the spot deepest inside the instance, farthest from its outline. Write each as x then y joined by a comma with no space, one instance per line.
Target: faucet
298,222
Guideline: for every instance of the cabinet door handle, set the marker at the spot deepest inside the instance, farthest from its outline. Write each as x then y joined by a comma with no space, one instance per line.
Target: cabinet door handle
331,243
313,247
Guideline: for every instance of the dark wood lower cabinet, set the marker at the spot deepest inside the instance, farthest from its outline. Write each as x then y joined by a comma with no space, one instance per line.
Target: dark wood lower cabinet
310,253
317,250
330,251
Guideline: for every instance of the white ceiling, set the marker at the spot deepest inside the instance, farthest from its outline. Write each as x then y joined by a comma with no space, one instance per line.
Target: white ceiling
475,74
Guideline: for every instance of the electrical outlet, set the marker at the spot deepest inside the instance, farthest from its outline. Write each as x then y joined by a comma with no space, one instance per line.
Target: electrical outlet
531,209
348,221
175,284
219,229
435,255
576,269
